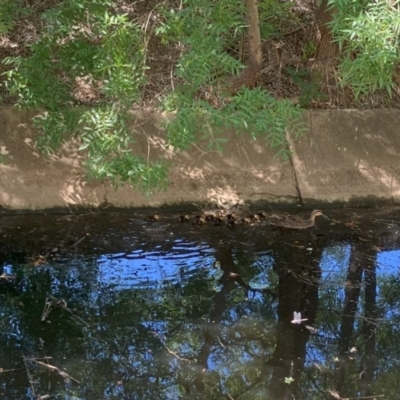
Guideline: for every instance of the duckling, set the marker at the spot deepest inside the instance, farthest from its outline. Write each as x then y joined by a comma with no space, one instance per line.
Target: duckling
218,221
210,218
183,218
232,223
199,220
262,215
245,221
231,216
153,218
254,218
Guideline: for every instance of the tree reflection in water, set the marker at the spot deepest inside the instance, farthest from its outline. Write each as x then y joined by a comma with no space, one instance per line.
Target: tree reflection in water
138,310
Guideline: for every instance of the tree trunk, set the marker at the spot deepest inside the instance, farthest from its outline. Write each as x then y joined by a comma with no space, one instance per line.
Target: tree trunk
254,37
326,50
251,74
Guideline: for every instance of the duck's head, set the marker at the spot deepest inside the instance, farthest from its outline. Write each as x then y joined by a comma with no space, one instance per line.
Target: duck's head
317,213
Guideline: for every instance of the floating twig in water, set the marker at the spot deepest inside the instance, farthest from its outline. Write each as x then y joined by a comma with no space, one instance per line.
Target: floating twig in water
391,223
80,240
30,377
51,301
5,277
53,368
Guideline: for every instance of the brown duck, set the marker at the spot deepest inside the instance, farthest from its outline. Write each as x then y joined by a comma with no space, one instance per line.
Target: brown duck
293,222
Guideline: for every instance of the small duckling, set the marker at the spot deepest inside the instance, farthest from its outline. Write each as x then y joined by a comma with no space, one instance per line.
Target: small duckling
245,221
262,215
153,218
183,218
199,220
254,218
231,216
232,223
210,218
218,221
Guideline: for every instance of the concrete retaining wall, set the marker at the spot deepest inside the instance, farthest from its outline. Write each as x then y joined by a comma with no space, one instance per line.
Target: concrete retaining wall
347,156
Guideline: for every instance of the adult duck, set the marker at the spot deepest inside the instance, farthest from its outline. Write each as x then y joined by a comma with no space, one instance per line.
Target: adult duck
294,222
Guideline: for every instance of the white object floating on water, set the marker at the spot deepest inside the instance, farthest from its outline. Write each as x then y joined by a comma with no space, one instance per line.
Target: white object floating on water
258,286
297,318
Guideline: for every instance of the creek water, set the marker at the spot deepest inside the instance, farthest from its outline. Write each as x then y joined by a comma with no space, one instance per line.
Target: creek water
111,306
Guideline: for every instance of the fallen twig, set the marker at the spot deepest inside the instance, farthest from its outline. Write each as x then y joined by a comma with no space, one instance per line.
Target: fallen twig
30,378
80,240
53,368
51,302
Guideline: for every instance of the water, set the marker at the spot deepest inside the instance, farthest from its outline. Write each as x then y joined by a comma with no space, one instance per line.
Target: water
108,306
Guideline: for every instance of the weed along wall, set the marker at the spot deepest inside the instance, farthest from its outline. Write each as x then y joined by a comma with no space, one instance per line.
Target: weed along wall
346,156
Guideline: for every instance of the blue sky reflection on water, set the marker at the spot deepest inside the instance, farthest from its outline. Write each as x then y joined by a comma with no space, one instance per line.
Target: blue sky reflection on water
150,269
388,262
335,261
157,317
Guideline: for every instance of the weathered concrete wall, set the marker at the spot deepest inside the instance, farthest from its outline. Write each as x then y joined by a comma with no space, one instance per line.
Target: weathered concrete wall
349,156
346,156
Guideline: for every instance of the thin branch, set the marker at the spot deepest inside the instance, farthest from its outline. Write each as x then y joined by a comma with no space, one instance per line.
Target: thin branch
53,368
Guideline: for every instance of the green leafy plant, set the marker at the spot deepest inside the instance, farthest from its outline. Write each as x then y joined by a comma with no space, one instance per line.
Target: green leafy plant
252,111
53,127
310,89
368,36
275,18
206,28
87,69
87,41
9,11
107,140
309,49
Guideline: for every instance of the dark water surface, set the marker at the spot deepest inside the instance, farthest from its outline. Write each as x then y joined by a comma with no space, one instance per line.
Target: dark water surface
109,306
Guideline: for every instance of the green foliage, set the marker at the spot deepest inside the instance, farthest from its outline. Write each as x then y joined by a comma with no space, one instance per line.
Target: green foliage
309,49
310,90
9,10
275,18
108,141
368,35
251,111
86,40
74,44
207,29
53,126
223,20
87,44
